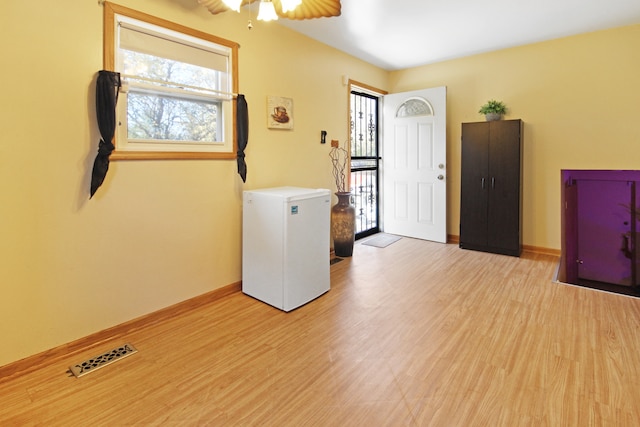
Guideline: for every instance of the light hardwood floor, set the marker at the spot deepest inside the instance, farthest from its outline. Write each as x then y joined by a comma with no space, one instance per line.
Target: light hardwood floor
415,334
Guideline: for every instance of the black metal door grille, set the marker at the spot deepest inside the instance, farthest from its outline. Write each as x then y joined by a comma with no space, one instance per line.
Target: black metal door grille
365,162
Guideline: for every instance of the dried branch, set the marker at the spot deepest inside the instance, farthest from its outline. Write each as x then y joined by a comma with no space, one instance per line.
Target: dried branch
339,158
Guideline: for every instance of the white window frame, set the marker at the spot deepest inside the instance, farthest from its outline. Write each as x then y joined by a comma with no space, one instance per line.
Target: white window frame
226,148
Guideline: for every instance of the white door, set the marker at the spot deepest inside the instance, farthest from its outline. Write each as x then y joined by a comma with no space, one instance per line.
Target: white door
414,164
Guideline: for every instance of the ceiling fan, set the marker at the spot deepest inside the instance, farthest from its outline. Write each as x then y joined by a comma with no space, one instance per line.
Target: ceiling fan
308,9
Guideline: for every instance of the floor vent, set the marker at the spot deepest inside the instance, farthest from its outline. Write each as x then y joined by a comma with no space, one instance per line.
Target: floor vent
83,368
334,261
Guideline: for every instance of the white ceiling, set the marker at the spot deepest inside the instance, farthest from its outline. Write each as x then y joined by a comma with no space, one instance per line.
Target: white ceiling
398,34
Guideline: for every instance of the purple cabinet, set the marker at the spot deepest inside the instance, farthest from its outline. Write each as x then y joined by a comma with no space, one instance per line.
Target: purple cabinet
599,228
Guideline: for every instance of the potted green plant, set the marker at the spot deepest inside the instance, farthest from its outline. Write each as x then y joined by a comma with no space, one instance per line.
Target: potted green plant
493,110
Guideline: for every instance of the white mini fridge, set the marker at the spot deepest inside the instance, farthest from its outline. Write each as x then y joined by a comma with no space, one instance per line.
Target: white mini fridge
285,245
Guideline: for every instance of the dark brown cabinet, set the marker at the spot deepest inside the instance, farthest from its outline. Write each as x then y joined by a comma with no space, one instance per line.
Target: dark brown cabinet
491,187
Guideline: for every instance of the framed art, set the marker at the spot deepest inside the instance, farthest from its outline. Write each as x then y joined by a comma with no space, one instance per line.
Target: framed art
279,112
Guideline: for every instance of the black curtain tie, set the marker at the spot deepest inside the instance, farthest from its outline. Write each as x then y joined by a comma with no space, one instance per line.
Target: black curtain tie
107,87
242,131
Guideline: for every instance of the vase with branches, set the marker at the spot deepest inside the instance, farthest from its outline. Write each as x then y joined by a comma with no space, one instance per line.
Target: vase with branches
342,213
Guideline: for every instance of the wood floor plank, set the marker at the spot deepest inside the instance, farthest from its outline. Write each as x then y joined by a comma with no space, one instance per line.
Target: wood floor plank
414,334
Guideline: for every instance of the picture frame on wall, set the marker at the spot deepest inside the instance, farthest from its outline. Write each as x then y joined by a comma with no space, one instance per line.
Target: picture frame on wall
279,112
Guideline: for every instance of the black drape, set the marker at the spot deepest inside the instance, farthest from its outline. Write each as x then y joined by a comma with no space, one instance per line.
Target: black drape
106,98
242,130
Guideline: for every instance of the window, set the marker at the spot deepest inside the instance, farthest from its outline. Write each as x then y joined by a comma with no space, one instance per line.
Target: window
176,99
414,107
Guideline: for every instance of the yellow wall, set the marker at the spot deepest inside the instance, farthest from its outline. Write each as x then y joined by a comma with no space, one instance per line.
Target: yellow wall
160,232
579,98
157,232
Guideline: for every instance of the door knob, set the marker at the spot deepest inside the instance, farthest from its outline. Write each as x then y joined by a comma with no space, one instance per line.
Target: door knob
440,177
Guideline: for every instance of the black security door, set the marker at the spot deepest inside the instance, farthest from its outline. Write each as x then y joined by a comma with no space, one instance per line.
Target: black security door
365,162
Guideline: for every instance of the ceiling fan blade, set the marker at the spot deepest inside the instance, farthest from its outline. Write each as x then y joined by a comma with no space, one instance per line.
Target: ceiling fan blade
214,6
310,9
217,6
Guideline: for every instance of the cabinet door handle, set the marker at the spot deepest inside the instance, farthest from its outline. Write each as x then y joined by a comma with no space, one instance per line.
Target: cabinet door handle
627,248
493,182
483,183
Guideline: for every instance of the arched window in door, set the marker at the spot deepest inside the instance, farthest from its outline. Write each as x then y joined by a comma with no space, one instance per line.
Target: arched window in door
414,107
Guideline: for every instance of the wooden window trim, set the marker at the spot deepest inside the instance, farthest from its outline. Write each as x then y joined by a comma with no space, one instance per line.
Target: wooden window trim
110,11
